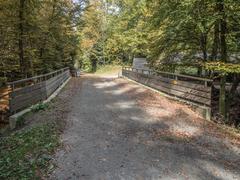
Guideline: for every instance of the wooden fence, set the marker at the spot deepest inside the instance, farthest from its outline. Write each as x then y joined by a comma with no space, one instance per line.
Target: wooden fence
30,91
191,89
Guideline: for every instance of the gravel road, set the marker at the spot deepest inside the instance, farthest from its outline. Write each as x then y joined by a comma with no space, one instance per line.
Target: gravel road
118,130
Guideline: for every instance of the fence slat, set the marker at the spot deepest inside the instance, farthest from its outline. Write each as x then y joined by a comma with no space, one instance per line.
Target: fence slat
30,95
187,90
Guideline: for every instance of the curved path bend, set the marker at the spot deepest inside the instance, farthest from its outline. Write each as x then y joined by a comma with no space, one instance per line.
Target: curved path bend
117,129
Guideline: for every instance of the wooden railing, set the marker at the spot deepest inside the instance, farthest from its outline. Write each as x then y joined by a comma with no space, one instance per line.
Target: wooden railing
36,79
27,92
191,89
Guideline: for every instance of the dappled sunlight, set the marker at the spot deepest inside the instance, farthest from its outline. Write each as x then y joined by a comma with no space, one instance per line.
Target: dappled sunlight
135,118
123,128
160,113
187,129
125,90
102,85
218,170
122,105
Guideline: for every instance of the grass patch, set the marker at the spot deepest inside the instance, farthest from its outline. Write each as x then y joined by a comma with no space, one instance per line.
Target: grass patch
40,107
108,69
26,154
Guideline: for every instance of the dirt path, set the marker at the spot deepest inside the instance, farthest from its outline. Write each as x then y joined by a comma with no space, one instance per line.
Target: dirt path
120,130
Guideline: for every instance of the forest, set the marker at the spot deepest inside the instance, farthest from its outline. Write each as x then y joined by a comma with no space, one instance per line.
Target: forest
197,37
73,105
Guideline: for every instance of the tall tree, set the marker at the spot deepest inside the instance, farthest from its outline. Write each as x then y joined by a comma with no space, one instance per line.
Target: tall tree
38,36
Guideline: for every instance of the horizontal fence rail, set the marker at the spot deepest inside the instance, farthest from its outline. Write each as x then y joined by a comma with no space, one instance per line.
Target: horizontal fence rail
35,79
30,91
191,89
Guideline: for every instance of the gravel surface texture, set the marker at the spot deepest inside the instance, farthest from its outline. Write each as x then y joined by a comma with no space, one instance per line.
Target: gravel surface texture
117,129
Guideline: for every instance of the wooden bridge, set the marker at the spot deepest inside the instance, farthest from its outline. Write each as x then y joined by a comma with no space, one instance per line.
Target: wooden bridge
21,94
24,93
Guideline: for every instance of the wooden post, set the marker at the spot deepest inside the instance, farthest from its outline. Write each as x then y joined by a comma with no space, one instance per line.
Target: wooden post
176,77
205,83
222,98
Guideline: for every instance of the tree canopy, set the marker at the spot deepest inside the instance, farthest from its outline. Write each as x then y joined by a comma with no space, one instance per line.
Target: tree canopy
40,36
37,36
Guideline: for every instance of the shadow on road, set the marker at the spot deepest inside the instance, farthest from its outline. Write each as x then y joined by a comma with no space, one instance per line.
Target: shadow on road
120,130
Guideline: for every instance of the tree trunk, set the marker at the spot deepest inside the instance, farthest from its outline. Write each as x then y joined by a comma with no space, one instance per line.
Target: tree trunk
203,43
222,98
216,42
20,38
223,50
94,64
236,82
46,36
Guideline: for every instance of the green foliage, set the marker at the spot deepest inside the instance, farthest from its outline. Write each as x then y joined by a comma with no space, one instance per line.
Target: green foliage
45,33
26,154
109,69
40,107
3,80
110,35
223,68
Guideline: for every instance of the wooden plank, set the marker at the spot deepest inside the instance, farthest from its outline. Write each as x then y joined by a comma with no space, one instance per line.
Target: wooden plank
61,76
30,95
183,95
26,102
177,87
53,86
25,97
168,88
178,93
16,106
58,80
55,80
40,76
173,74
52,80
180,83
183,83
26,89
173,81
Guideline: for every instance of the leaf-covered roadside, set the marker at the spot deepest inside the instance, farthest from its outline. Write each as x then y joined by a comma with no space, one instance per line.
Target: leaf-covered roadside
26,154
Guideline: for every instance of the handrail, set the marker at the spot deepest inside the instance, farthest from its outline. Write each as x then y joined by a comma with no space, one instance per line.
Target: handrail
174,74
36,77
